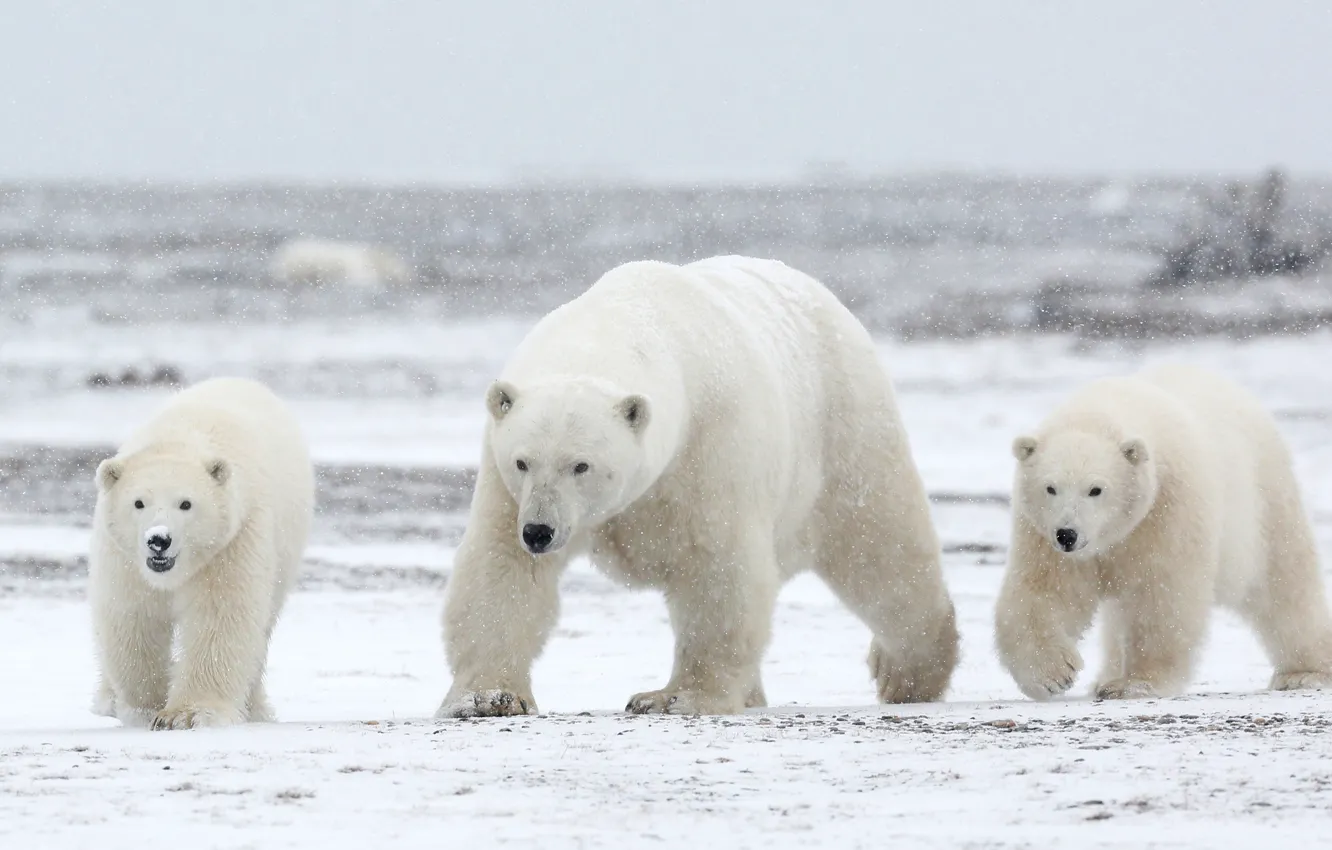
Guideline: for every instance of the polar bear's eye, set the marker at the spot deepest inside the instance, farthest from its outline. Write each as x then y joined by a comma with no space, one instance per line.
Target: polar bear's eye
580,468
1095,491
522,465
185,505
138,504
1050,489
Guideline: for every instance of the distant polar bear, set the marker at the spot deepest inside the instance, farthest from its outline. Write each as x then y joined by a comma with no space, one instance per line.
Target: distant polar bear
709,430
1158,495
327,262
200,524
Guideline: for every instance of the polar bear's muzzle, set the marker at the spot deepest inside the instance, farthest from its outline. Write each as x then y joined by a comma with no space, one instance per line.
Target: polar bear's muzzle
158,541
544,521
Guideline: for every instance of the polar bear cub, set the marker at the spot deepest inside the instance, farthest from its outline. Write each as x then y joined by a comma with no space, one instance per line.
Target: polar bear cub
1155,497
708,430
201,520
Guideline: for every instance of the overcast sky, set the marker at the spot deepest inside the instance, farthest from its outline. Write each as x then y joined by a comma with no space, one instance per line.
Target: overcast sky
488,90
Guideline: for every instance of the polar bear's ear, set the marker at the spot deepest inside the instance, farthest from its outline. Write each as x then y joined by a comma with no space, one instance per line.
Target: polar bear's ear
219,470
636,410
500,398
1024,447
109,472
1134,450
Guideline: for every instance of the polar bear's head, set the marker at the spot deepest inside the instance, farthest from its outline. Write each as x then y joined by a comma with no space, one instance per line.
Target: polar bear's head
1082,491
170,512
570,452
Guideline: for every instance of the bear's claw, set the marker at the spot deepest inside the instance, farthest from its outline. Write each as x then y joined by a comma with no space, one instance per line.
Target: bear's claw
1300,681
682,702
194,717
1125,689
650,704
488,703
1052,674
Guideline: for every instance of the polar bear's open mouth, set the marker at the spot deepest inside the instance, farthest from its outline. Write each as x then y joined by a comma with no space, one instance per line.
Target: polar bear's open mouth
160,563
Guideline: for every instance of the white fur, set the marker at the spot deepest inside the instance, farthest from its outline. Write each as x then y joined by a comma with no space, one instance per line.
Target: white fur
1198,506
321,261
235,453
738,427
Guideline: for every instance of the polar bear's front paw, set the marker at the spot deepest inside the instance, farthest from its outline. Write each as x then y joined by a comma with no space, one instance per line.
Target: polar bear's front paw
1051,673
197,716
1125,689
924,680
489,703
1300,681
682,702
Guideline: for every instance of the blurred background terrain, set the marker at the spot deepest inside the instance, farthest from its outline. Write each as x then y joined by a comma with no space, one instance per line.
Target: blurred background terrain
931,255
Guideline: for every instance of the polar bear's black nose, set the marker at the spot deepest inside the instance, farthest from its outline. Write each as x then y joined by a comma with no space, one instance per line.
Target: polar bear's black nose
159,543
1067,538
537,538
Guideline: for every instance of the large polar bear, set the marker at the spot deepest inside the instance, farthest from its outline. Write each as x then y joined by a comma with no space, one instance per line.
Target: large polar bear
708,430
200,523
1155,496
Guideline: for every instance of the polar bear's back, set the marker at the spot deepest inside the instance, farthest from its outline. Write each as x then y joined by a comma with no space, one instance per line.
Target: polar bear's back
826,361
787,317
1176,404
713,328
742,328
1247,466
1238,426
231,413
246,424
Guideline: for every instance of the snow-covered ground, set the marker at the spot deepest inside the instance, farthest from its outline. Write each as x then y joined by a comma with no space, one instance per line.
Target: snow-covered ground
356,674
355,677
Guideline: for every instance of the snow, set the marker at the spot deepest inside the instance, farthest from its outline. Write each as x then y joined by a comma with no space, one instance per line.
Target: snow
51,540
355,675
